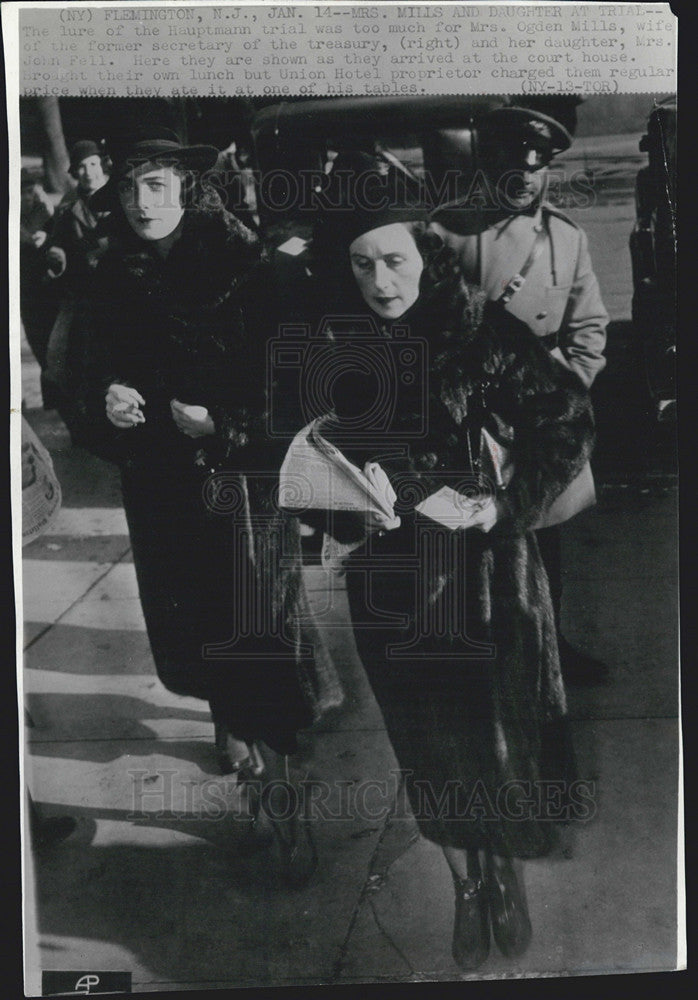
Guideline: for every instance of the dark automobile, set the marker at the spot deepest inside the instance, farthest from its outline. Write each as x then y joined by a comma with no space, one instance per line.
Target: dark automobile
425,137
653,254
426,140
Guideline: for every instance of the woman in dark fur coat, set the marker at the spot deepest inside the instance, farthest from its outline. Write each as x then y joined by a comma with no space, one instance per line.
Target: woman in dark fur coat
455,627
173,388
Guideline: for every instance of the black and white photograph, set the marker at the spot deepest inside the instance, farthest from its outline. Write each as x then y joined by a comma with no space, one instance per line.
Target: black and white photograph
345,493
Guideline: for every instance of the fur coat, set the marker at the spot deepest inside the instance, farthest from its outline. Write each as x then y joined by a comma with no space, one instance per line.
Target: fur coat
206,534
191,327
469,681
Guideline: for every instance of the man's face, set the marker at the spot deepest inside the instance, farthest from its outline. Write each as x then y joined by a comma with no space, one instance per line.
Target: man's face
90,175
518,172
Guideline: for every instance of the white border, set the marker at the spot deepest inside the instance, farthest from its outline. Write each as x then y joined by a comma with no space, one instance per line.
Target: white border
10,29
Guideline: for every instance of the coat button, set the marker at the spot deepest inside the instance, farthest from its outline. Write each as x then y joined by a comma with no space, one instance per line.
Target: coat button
541,315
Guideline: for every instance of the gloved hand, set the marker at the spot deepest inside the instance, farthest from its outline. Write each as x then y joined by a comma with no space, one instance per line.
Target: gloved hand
381,484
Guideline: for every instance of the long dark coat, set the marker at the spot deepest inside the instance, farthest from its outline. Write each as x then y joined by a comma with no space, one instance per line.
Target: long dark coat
456,629
200,511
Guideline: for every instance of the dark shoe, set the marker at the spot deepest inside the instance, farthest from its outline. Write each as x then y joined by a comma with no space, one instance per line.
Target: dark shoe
259,832
511,925
579,668
228,754
283,809
297,851
471,927
287,816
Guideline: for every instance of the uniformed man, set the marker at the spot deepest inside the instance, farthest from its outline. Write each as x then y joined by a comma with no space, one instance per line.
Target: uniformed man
535,261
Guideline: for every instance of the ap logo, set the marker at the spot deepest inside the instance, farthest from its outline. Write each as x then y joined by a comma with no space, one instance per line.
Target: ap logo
79,983
86,983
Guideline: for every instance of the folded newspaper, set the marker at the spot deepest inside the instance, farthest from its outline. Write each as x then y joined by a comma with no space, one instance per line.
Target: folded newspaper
41,490
315,475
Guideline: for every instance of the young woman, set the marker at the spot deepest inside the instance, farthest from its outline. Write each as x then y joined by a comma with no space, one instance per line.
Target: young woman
454,626
174,391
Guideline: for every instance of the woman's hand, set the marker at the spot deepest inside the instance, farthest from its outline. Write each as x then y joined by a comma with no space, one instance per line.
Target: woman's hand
194,421
378,520
124,406
481,514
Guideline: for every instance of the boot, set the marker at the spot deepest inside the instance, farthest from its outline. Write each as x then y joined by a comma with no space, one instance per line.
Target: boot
471,926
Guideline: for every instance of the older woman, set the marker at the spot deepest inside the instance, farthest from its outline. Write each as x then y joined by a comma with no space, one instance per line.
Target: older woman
173,390
454,624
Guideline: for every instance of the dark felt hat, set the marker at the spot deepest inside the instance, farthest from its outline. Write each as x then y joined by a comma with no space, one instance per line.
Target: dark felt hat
151,144
80,151
364,195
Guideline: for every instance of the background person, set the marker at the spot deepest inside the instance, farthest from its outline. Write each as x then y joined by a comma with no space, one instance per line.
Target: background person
76,245
37,306
77,241
232,177
505,227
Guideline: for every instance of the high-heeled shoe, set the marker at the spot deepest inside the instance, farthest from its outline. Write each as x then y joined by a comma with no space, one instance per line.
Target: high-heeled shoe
245,761
471,926
259,831
297,853
228,751
511,924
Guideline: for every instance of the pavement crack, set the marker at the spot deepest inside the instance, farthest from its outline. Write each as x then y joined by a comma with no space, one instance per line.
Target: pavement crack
393,944
82,596
367,889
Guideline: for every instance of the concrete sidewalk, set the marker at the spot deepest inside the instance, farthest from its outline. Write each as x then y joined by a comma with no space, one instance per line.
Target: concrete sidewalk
153,882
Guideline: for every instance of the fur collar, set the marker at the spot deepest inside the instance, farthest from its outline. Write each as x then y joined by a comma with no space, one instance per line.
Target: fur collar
465,349
214,255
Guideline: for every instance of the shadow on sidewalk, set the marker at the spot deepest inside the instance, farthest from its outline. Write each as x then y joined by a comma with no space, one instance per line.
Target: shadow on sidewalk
190,913
105,722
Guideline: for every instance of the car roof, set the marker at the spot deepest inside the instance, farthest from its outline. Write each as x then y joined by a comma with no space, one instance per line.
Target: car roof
280,126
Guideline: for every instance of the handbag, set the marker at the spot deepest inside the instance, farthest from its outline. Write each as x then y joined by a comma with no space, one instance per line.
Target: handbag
497,464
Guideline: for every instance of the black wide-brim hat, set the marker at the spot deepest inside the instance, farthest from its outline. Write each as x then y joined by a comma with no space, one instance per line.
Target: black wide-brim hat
151,145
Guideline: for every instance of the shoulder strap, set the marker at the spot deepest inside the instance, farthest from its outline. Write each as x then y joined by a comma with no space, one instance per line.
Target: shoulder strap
517,282
553,210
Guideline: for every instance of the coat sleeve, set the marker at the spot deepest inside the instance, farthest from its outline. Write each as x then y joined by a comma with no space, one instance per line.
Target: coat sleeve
582,338
60,233
67,237
552,417
95,366
241,407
